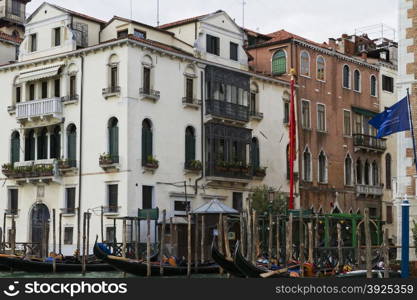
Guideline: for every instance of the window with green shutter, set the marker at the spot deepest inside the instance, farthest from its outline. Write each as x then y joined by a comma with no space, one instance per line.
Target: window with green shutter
255,157
43,144
55,144
189,144
15,147
113,138
279,63
147,139
72,143
30,146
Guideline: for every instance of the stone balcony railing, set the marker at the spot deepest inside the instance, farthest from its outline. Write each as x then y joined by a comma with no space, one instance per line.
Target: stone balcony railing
51,107
369,190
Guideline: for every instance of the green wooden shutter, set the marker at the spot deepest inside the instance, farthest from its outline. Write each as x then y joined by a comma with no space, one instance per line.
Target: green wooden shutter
189,147
72,153
144,138
114,141
146,144
15,151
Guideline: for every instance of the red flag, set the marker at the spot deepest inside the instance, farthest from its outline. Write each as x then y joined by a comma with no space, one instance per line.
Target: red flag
292,140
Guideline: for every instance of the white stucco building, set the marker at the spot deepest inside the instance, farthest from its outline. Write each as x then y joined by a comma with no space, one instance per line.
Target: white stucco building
120,114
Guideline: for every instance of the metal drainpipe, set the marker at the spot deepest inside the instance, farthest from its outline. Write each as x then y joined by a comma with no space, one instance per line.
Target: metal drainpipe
81,154
202,132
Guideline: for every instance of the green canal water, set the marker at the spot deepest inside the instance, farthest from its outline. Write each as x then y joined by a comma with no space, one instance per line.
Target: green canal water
91,275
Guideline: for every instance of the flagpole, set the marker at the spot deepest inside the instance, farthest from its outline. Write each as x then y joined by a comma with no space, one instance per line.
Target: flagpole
292,139
412,128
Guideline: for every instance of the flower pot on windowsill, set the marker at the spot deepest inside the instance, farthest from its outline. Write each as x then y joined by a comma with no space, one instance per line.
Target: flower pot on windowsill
151,165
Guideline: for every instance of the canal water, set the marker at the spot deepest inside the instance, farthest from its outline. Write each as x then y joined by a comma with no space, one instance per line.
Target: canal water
114,274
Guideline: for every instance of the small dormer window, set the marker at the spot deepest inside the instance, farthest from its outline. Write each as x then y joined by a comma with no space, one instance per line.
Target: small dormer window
122,34
139,34
234,51
213,45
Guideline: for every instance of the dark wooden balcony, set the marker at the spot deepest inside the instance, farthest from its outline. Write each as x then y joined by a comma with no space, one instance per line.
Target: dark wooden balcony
227,110
369,143
226,170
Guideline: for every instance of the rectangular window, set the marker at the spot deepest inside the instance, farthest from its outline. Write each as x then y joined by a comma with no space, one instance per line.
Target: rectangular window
347,130
387,84
13,201
389,214
70,200
57,36
33,43
44,89
32,92
305,111
18,94
286,112
113,76
238,201
112,197
213,45
139,34
358,124
16,8
180,208
146,80
252,103
110,234
373,212
147,195
189,92
73,86
68,235
122,34
57,88
321,117
234,51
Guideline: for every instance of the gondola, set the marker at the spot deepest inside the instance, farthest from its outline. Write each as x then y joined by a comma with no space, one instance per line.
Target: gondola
227,265
248,269
101,252
29,265
139,268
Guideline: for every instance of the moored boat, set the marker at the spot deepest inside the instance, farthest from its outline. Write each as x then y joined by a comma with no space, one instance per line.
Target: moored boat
227,265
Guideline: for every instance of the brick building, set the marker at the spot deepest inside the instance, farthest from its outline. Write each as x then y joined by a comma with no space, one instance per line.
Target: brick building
337,93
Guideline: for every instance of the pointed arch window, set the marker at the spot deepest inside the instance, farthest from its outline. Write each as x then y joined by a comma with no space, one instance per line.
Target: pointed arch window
307,165
388,175
367,173
113,143
279,63
375,174
320,68
43,144
30,146
322,167
346,76
357,81
255,154
55,143
348,170
15,147
189,145
359,172
305,63
72,144
373,86
147,142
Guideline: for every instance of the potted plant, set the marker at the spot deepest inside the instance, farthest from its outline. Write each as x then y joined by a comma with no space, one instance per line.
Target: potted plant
8,170
194,165
222,166
152,162
260,172
236,166
105,159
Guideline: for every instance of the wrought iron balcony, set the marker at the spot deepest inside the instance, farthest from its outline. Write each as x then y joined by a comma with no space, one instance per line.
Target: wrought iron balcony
42,108
151,94
191,102
256,115
111,91
227,110
368,142
369,190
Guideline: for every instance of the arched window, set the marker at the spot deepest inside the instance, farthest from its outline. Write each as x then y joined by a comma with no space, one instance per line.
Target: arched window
348,170
255,155
55,143
189,145
147,141
357,81
15,147
359,172
321,68
375,174
307,165
43,144
113,136
346,76
366,173
279,63
286,100
253,104
322,167
388,175
72,144
305,63
113,71
373,85
30,146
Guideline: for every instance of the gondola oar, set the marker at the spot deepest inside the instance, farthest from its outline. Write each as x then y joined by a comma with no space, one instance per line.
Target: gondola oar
280,271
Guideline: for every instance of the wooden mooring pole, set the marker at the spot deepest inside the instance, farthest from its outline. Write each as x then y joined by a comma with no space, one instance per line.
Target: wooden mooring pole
189,253
302,245
54,230
162,243
368,253
171,237
148,245
289,249
242,234
278,241
102,223
249,239
226,237
13,246
124,233
386,254
270,240
255,236
310,243
339,248
196,231
203,236
84,245
60,234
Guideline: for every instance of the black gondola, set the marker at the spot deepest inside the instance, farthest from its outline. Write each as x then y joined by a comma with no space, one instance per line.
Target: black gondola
34,266
101,252
227,265
248,269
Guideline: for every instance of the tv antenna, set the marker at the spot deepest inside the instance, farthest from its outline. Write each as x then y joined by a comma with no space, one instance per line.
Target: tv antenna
243,13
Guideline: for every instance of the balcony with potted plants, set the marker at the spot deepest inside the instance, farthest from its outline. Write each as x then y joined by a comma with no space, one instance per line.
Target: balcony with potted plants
31,171
259,172
151,164
109,162
193,166
238,172
67,166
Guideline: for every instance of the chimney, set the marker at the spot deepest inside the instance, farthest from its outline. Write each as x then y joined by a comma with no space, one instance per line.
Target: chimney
364,55
332,43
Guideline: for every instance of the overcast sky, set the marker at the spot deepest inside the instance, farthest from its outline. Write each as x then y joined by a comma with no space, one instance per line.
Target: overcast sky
313,19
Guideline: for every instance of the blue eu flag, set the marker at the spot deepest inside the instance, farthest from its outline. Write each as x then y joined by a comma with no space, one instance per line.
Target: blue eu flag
393,119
